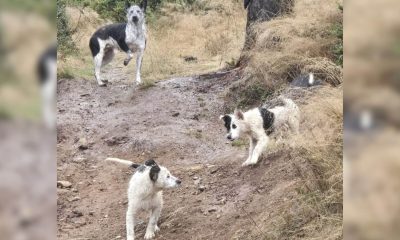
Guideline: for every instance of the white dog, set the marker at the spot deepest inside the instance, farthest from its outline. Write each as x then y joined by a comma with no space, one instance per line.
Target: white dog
145,193
129,37
258,123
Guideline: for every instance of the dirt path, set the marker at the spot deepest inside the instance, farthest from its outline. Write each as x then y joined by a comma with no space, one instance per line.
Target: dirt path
176,122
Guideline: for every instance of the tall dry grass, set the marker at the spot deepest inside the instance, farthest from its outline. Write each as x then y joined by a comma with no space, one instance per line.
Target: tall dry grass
298,43
212,32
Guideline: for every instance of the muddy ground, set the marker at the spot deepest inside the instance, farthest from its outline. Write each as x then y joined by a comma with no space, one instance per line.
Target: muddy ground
176,122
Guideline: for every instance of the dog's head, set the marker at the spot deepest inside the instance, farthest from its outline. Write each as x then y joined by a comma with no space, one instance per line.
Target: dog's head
234,124
134,13
161,177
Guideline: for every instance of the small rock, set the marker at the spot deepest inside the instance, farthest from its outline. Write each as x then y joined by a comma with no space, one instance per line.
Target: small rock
83,144
195,177
202,188
118,237
175,114
91,213
77,213
197,182
214,170
64,184
75,199
212,209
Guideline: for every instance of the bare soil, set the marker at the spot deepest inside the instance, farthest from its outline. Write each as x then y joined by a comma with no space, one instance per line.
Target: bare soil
176,122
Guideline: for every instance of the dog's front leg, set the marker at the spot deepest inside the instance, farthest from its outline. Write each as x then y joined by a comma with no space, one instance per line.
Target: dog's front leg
130,232
258,150
139,59
253,142
128,58
152,226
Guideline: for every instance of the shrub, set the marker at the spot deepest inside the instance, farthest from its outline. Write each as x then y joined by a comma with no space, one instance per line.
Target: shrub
64,40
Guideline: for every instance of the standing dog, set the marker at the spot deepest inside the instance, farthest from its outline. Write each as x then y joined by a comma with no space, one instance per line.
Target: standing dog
145,192
258,123
129,37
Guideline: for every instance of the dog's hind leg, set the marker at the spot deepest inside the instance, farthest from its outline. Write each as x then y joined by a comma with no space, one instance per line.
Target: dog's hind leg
98,62
139,59
152,226
130,232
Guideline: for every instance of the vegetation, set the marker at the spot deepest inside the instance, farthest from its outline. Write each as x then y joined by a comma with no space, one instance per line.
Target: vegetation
64,39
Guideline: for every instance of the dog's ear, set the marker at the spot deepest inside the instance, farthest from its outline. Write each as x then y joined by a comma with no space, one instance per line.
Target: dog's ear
246,3
150,163
239,114
222,117
143,5
127,5
154,172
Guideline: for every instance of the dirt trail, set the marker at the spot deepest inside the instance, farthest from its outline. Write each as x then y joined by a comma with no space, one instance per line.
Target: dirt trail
176,122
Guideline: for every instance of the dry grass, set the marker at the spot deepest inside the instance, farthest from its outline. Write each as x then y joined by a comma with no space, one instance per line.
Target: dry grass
295,44
212,32
315,211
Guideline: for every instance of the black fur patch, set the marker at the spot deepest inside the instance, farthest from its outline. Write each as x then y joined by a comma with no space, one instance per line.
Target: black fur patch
116,31
42,71
227,119
150,163
154,173
268,120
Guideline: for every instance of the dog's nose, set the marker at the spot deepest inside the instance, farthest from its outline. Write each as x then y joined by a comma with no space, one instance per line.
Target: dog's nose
229,137
135,19
178,181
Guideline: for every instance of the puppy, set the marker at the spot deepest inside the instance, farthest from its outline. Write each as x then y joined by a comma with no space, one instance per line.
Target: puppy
258,123
129,37
145,193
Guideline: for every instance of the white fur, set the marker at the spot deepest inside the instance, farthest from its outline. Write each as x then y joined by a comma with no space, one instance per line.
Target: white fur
145,194
250,124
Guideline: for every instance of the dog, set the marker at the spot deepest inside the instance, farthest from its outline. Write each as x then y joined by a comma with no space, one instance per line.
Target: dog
47,75
258,123
129,37
145,192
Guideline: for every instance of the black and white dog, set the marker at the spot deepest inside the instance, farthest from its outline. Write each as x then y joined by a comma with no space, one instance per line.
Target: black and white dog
258,123
47,74
129,37
145,193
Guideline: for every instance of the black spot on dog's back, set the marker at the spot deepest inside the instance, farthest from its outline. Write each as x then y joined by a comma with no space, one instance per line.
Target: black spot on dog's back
116,31
268,120
227,119
150,163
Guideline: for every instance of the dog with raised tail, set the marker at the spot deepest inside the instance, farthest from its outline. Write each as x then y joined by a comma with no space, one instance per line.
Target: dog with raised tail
145,193
129,37
258,123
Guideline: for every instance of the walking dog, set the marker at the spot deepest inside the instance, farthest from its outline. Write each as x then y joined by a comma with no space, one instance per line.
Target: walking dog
258,123
129,37
145,192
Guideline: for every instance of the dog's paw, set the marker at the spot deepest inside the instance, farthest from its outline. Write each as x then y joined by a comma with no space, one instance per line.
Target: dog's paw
102,84
149,235
156,229
248,163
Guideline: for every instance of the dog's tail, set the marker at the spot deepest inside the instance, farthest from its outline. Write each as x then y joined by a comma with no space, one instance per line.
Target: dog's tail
311,79
125,162
288,102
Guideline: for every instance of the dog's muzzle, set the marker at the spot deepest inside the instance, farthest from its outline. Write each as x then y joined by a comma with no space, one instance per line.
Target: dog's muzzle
229,137
135,19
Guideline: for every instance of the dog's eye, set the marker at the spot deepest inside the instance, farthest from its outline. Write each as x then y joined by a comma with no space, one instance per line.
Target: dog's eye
233,126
